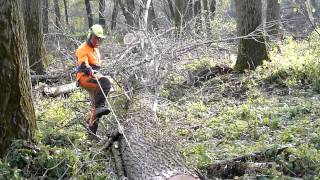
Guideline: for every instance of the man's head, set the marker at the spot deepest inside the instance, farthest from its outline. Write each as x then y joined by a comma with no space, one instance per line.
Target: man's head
95,35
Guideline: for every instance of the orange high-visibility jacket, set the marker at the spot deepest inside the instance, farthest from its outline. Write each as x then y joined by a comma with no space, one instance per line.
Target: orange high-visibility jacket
87,55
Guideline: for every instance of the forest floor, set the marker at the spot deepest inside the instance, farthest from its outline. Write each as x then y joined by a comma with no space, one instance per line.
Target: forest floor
227,116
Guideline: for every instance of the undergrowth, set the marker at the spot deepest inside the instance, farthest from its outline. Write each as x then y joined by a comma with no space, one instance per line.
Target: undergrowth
237,114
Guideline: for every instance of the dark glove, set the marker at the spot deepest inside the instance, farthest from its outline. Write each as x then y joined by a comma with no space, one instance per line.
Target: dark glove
87,71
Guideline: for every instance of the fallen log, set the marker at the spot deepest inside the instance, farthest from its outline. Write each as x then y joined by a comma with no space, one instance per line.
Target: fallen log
198,77
148,152
59,90
240,165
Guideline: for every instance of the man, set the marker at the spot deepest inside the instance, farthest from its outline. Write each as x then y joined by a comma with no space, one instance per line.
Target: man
88,77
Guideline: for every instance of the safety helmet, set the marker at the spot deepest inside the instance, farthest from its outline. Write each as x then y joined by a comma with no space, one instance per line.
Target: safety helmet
96,30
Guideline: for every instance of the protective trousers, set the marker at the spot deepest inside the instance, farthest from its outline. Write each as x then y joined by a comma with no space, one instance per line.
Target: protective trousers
97,97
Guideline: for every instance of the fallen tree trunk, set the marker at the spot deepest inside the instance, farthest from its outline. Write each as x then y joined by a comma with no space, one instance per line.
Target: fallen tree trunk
200,76
240,165
146,150
59,90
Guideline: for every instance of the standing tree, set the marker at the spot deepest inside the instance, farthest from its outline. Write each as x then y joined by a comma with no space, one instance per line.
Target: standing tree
102,8
251,49
66,11
17,115
128,11
57,13
179,15
152,17
172,12
131,10
33,28
89,12
273,17
213,7
45,16
114,14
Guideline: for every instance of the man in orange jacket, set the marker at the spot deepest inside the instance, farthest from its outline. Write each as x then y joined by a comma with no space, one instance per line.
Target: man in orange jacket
88,65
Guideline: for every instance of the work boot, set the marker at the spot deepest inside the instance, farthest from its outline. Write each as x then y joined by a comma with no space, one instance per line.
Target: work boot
94,127
100,111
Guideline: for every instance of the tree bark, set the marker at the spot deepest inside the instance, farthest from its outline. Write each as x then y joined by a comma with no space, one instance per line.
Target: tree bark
252,50
57,13
213,7
102,8
131,10
273,18
89,12
128,11
17,115
316,5
66,12
147,15
152,18
179,14
60,90
144,14
45,16
146,151
114,14
33,29
172,12
309,8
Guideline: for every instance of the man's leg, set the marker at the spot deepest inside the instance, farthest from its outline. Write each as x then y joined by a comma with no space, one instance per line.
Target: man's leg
99,103
91,85
100,97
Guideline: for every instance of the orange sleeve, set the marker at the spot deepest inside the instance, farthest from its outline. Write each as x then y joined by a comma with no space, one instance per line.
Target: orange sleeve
82,58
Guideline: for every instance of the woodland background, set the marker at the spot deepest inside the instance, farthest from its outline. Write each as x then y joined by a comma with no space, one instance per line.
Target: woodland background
215,88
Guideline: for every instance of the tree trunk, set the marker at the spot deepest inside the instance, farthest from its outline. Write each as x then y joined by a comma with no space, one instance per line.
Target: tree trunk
33,29
57,13
232,9
147,15
189,14
114,14
309,8
45,16
152,18
316,5
89,12
252,50
206,7
179,14
66,12
144,14
131,10
197,12
172,13
102,8
17,115
273,18
128,11
146,151
213,7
